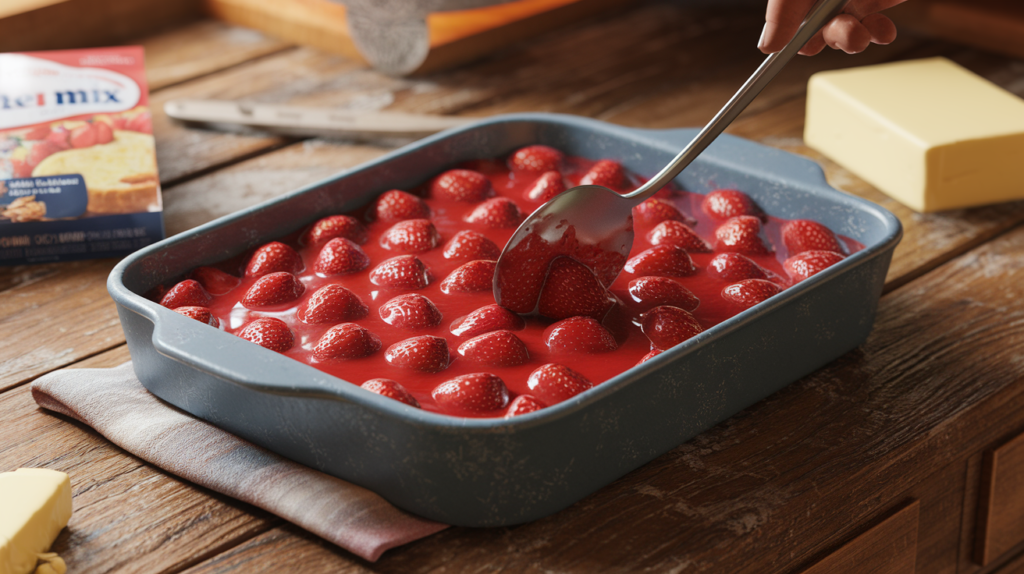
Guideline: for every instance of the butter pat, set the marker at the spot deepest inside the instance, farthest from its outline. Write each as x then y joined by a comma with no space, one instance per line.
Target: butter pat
35,504
929,133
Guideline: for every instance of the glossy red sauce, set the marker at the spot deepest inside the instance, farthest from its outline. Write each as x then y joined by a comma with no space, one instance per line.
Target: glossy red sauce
447,216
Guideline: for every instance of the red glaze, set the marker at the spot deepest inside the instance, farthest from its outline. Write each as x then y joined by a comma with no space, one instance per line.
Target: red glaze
420,362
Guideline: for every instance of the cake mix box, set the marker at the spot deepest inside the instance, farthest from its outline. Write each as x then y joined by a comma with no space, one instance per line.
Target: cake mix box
78,175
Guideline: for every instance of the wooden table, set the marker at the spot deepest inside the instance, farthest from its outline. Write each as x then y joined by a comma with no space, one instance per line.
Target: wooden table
886,460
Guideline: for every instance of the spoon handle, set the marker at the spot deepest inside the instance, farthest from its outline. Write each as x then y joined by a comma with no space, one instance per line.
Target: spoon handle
822,12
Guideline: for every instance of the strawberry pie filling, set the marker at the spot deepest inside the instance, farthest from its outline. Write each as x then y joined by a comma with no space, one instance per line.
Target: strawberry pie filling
397,297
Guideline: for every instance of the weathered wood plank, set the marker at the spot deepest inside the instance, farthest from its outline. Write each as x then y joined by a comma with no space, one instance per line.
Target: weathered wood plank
277,550
934,383
202,48
259,179
57,320
128,516
29,26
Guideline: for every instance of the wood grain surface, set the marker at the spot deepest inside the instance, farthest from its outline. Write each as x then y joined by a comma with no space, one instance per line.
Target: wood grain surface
776,488
889,547
1000,502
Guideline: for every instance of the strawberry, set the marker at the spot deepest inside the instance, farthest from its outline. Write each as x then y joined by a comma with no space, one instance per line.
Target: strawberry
346,341
271,258
104,133
606,173
496,213
803,265
667,326
340,256
554,383
531,258
741,234
802,235
424,353
396,205
545,187
471,277
523,404
729,203
215,281
83,136
677,233
571,289
654,211
651,292
20,168
497,348
39,152
485,319
273,289
411,236
606,263
59,138
402,272
735,267
141,123
201,314
469,244
37,133
461,185
188,293
335,226
332,304
537,158
666,260
649,356
750,292
473,393
270,333
579,335
391,390
410,311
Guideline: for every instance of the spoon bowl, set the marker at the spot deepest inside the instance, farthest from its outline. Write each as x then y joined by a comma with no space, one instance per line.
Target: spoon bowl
593,224
585,223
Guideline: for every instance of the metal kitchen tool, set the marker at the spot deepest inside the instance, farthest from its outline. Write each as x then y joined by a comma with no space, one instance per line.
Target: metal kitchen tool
393,34
489,472
305,121
601,218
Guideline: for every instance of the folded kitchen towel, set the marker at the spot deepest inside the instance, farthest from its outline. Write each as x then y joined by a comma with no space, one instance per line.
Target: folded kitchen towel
115,403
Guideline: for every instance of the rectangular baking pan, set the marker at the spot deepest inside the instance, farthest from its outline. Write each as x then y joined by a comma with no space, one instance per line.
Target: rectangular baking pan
489,472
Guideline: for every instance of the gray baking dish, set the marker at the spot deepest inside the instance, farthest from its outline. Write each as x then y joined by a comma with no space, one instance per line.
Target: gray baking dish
489,472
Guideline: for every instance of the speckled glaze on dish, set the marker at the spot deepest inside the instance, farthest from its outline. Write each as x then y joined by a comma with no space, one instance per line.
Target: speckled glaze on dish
489,472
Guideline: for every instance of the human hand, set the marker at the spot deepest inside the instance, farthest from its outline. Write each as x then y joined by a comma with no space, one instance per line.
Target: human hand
860,24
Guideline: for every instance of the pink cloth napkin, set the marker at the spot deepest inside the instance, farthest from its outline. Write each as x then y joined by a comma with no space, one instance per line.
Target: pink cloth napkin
115,403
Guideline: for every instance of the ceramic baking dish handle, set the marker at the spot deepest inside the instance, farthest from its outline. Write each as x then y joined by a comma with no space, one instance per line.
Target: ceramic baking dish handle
233,359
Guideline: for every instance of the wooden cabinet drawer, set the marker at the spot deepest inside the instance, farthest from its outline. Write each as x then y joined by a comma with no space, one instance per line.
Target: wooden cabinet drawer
1000,502
889,547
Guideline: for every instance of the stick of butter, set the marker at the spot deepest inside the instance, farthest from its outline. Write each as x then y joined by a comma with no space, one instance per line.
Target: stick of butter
929,133
35,504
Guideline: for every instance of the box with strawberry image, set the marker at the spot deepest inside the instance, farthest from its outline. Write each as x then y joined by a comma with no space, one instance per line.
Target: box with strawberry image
78,175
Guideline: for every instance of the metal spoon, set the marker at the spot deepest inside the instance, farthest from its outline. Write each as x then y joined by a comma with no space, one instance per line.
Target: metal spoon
600,218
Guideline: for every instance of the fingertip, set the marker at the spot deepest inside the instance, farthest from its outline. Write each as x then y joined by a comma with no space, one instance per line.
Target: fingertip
881,28
846,33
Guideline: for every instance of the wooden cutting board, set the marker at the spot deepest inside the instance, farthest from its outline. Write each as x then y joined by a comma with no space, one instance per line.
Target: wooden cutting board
455,37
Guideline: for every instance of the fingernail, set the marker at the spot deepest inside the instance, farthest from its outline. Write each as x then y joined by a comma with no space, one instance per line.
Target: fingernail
760,41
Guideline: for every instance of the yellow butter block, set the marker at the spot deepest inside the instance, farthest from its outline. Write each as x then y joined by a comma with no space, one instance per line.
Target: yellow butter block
929,133
35,504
